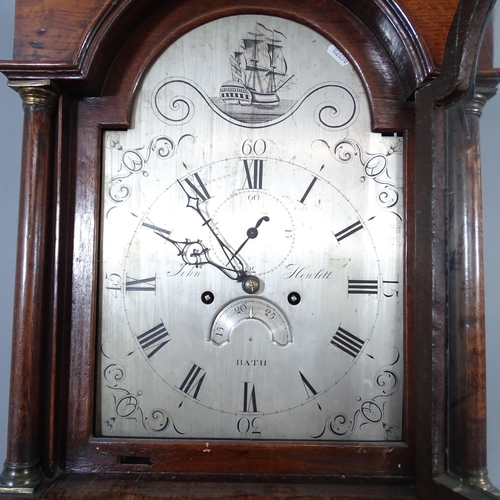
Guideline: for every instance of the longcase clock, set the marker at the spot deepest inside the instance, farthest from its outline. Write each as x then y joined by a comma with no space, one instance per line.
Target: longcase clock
238,272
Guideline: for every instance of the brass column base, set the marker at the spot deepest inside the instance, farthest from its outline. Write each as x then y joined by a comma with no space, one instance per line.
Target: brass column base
20,478
482,482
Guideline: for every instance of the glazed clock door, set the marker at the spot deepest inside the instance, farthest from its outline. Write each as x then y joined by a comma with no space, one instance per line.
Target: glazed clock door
251,265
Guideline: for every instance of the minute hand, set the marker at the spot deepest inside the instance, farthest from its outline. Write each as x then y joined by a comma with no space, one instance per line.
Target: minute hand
238,266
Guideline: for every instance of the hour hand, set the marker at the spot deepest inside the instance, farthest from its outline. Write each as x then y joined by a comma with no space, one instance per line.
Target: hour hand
195,253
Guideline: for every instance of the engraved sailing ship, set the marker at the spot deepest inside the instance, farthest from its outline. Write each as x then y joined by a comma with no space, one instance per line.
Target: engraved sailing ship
259,70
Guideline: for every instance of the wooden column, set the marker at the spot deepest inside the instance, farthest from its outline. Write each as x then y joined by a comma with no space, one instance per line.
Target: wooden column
467,381
32,296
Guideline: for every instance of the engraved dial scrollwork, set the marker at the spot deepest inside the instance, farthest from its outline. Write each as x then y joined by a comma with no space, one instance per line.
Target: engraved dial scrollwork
369,412
127,406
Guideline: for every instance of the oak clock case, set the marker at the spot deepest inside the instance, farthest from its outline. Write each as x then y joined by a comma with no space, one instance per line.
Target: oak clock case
251,247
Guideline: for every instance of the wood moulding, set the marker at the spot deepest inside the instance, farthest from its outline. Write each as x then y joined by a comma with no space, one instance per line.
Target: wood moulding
107,30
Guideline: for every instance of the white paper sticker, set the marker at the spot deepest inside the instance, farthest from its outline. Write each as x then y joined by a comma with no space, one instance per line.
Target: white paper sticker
337,55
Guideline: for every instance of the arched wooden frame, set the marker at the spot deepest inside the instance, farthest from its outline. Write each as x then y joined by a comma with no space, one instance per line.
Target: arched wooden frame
390,114
110,30
97,93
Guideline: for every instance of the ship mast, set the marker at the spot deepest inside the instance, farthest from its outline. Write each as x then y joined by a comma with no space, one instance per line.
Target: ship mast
271,49
254,63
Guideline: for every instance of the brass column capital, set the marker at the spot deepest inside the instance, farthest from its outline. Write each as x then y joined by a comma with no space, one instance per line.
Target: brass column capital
481,96
37,93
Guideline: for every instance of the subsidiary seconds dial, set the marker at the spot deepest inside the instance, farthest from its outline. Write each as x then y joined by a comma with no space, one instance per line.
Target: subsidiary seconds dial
237,217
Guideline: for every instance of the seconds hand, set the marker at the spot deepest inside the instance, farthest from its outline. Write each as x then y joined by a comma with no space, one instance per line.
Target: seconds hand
251,234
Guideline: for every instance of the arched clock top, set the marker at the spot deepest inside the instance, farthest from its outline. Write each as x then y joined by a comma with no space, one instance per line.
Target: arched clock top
124,38
386,90
89,26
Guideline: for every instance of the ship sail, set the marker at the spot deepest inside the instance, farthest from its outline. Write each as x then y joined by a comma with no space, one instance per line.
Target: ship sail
236,70
260,66
277,59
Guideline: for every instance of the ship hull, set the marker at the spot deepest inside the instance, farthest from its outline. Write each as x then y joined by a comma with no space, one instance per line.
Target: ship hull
236,93
233,92
267,99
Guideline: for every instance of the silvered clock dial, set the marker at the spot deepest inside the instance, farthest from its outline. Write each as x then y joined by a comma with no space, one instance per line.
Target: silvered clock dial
252,247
